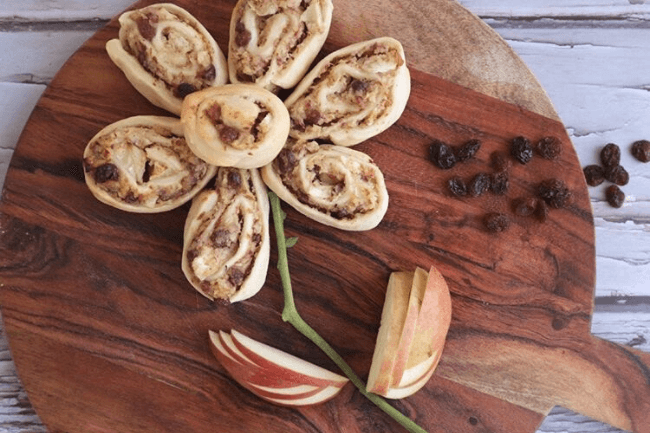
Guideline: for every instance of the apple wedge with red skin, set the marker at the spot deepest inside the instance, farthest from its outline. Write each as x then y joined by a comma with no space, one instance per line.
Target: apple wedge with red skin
411,335
272,374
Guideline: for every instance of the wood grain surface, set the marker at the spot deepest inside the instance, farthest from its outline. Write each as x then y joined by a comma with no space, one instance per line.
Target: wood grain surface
108,336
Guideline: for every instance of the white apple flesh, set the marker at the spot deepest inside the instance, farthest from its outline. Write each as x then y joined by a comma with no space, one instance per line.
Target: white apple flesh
272,374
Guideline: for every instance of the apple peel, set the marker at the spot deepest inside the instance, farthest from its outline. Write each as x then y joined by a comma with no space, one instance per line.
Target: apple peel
271,374
420,325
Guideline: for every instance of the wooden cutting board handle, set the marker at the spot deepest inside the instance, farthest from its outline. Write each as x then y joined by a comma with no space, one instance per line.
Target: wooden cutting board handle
597,378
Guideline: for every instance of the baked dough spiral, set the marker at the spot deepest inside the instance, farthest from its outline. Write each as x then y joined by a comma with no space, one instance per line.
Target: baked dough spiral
143,164
352,94
334,185
236,125
273,43
167,54
226,239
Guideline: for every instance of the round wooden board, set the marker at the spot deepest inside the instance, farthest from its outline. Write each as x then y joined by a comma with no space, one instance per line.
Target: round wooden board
108,335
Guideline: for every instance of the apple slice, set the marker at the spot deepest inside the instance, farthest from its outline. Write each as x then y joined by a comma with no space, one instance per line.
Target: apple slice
421,334
272,374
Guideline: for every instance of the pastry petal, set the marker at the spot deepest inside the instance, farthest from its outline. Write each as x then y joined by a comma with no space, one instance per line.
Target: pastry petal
143,164
226,243
236,125
334,185
273,43
352,94
167,54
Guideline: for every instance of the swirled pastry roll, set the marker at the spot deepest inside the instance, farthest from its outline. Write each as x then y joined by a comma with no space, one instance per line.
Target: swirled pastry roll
143,164
226,239
334,185
273,43
236,125
352,94
167,54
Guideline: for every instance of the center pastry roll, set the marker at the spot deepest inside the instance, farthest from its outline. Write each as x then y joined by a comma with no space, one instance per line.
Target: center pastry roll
273,42
167,54
236,125
226,239
334,185
352,94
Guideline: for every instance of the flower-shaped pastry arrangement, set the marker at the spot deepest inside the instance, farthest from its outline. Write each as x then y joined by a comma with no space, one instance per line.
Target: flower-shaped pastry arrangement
300,145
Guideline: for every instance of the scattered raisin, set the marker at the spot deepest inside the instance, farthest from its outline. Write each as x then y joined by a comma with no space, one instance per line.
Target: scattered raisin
145,25
549,147
496,222
468,150
221,238
500,183
617,175
312,117
594,175
359,86
106,172
641,150
555,193
499,161
208,74
441,155
479,184
236,277
457,186
521,150
615,197
214,113
234,179
610,155
185,89
525,206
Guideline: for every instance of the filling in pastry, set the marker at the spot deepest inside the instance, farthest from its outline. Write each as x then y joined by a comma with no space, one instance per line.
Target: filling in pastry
354,90
240,122
333,182
229,236
170,48
144,166
270,34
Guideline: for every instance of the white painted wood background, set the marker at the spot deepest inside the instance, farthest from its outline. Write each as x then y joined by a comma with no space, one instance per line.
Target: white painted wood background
592,57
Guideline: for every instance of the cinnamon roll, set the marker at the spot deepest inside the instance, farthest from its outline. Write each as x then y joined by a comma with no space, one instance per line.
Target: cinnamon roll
352,94
273,43
226,240
334,185
143,164
236,125
167,54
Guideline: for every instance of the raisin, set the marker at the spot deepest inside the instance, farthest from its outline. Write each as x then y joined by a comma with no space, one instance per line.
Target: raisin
457,186
286,161
468,150
499,161
312,117
610,155
594,175
214,113
236,277
340,214
617,175
441,155
500,183
208,74
479,184
641,150
521,150
549,147
525,206
185,89
242,35
615,197
555,193
496,222
228,134
145,25
234,179
359,86
220,238
106,172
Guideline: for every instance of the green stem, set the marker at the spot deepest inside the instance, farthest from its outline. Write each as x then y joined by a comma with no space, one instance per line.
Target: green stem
290,315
